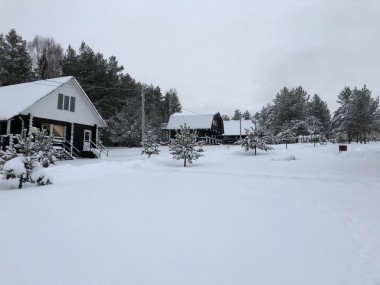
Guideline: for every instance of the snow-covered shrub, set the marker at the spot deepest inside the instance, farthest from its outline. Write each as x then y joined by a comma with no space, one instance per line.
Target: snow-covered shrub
27,159
253,141
185,146
149,144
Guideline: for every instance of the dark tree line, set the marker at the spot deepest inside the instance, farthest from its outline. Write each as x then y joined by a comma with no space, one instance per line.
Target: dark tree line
115,94
294,113
358,116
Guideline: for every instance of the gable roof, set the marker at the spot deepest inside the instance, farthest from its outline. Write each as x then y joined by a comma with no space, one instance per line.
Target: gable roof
232,128
14,99
194,121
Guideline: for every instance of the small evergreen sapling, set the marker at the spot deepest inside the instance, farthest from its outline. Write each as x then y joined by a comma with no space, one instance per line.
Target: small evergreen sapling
253,141
149,144
287,133
185,146
27,159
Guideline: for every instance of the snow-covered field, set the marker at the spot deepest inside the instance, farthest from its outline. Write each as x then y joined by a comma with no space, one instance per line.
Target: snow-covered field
230,218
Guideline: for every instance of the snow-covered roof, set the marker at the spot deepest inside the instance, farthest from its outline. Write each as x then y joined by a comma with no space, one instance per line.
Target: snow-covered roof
195,121
232,128
16,98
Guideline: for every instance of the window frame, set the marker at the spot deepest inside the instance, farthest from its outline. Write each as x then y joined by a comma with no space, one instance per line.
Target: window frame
66,103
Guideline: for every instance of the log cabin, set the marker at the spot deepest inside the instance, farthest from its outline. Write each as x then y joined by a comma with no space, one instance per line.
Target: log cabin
58,105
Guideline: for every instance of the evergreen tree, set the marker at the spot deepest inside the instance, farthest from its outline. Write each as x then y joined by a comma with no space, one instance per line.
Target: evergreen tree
264,119
289,105
15,62
185,145
358,115
247,115
318,109
287,133
314,128
237,115
3,58
117,96
171,104
26,159
364,113
342,127
124,128
70,65
253,140
149,143
225,118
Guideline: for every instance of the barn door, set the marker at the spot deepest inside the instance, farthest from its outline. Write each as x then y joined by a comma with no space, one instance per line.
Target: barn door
87,140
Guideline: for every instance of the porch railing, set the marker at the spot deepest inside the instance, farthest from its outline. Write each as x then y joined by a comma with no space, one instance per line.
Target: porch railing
61,144
210,140
97,149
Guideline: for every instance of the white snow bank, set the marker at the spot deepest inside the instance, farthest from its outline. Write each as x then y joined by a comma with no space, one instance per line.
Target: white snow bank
226,219
286,158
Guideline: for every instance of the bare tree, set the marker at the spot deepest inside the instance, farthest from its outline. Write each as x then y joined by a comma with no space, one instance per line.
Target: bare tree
46,57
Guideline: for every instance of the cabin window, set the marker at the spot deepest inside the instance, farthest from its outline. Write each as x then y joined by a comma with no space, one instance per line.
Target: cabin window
72,104
66,103
60,101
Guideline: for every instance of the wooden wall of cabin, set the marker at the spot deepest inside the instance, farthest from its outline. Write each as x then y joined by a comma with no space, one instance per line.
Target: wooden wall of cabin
3,128
16,124
79,135
218,128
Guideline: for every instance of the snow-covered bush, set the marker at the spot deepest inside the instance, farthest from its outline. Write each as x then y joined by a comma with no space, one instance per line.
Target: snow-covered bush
149,144
253,141
27,159
185,146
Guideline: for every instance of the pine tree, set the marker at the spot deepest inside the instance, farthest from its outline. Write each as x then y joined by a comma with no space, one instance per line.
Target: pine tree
342,128
318,109
247,115
26,159
287,133
289,105
185,146
253,140
358,115
15,62
171,104
225,117
314,128
149,143
237,115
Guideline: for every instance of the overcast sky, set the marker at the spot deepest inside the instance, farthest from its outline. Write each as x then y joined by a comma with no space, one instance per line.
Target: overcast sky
219,55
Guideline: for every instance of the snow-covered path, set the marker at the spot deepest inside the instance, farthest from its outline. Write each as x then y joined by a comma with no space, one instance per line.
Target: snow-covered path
230,218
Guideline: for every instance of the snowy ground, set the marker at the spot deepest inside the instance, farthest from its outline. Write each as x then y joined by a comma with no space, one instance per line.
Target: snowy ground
230,218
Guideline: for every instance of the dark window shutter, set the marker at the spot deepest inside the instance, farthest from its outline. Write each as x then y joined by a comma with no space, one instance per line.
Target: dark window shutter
60,101
72,104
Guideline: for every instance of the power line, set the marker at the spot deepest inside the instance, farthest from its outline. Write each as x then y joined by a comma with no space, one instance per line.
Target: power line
194,111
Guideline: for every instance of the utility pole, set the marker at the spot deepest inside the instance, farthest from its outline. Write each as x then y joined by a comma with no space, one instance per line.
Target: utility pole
240,124
143,113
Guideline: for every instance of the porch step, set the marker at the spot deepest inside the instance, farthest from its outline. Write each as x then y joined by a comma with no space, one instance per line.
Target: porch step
87,154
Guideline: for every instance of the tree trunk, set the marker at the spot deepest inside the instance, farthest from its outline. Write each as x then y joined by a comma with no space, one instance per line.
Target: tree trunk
255,150
286,145
184,164
20,184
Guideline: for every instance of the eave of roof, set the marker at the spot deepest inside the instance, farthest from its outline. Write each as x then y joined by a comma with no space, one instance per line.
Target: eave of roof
17,98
